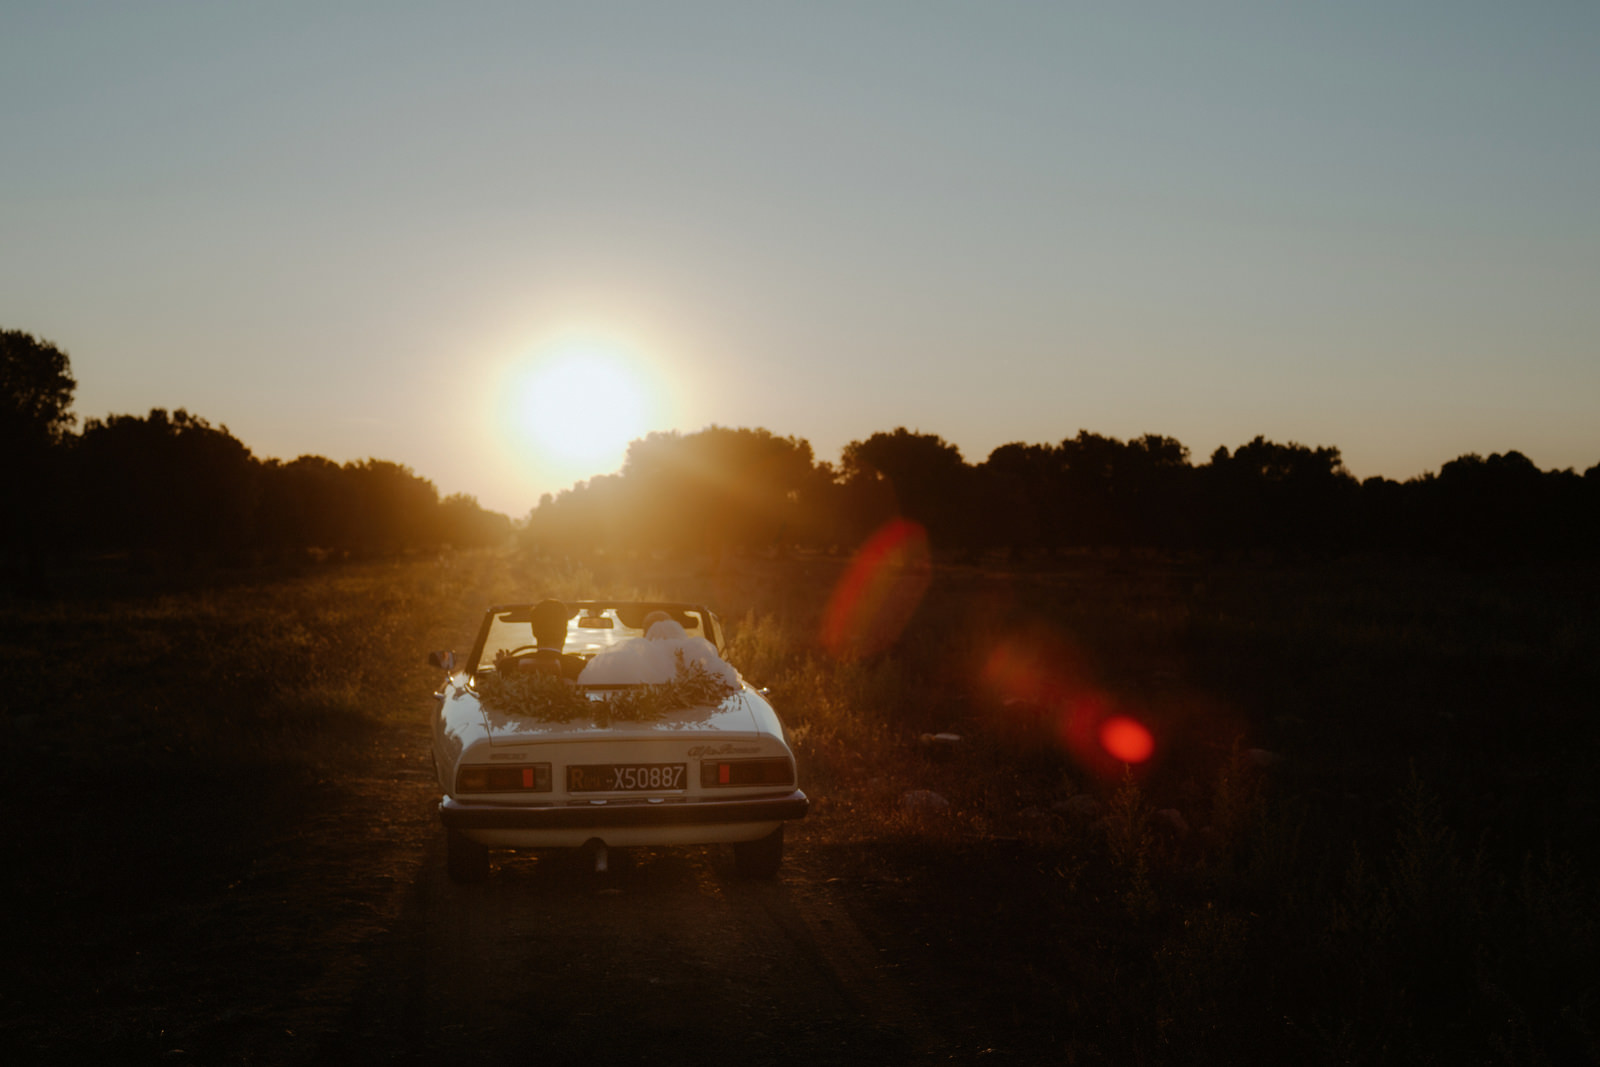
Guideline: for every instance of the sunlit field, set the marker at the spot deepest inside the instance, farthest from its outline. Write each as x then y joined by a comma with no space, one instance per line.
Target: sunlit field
1356,827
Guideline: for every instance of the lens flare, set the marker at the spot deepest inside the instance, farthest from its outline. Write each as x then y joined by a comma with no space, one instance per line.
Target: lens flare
1126,739
878,592
1044,686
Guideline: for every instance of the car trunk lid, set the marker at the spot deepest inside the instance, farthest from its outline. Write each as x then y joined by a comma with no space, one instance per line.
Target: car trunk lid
731,719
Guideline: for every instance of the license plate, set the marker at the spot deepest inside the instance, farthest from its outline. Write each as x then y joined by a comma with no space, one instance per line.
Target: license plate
624,777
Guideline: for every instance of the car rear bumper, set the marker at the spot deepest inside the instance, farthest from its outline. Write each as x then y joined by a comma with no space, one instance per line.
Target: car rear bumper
457,815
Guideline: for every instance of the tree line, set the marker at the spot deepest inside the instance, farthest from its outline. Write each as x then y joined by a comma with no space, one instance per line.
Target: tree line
173,487
724,488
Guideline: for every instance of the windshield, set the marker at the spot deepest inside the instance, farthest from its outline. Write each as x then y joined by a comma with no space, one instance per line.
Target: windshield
593,627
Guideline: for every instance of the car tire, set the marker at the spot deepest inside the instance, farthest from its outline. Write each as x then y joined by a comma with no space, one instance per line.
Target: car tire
760,858
465,859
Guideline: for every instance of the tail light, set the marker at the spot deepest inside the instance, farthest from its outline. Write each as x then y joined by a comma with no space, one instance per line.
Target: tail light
533,778
728,772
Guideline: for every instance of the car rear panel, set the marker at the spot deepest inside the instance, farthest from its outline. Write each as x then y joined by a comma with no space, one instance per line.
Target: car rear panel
671,792
623,822
699,776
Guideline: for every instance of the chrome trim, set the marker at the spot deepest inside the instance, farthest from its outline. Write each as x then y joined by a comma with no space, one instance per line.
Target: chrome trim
618,812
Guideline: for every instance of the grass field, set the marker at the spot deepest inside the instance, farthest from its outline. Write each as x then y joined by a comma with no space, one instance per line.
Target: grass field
1363,835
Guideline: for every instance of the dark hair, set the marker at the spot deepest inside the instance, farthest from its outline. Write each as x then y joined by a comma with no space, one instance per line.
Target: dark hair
550,624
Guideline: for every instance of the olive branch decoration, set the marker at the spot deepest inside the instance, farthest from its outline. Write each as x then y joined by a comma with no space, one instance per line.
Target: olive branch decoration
547,697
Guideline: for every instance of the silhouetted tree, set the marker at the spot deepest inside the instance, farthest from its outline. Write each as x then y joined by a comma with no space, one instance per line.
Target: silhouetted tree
1504,509
1270,495
1131,494
387,508
826,513
593,514
174,485
707,491
1155,491
1567,528
1586,526
36,388
463,523
930,481
1387,517
169,484
1089,467
1020,488
718,488
304,506
729,487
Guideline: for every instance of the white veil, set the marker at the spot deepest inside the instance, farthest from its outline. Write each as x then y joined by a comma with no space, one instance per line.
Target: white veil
653,658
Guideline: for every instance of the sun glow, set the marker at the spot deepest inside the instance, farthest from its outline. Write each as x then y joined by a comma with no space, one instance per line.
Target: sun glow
576,404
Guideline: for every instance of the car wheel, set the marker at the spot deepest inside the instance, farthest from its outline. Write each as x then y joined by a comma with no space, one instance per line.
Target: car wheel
466,860
760,858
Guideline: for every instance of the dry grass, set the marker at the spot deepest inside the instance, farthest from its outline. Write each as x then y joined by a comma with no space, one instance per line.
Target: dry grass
1381,777
1365,825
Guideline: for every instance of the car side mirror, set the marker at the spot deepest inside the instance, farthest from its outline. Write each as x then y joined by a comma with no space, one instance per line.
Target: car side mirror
445,661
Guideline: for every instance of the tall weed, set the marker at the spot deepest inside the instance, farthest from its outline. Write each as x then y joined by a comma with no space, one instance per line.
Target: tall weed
1131,844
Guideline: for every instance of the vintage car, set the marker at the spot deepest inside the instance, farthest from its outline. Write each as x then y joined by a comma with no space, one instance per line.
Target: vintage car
580,738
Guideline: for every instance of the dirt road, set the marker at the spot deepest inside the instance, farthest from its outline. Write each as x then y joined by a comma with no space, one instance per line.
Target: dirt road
668,958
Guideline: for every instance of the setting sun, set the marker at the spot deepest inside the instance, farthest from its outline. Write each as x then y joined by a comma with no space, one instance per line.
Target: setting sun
577,404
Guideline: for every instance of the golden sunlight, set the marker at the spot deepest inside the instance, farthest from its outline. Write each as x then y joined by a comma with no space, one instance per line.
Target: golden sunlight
577,403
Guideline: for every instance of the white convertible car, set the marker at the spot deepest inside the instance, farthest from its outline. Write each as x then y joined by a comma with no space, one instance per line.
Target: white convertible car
607,724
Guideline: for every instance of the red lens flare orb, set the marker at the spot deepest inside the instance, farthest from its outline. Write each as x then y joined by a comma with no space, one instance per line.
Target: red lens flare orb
1042,682
1126,739
878,592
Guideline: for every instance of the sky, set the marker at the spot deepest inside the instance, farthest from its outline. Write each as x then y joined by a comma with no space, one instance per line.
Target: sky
497,241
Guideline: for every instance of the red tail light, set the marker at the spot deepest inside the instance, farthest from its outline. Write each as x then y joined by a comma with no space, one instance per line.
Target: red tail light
776,771
534,778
